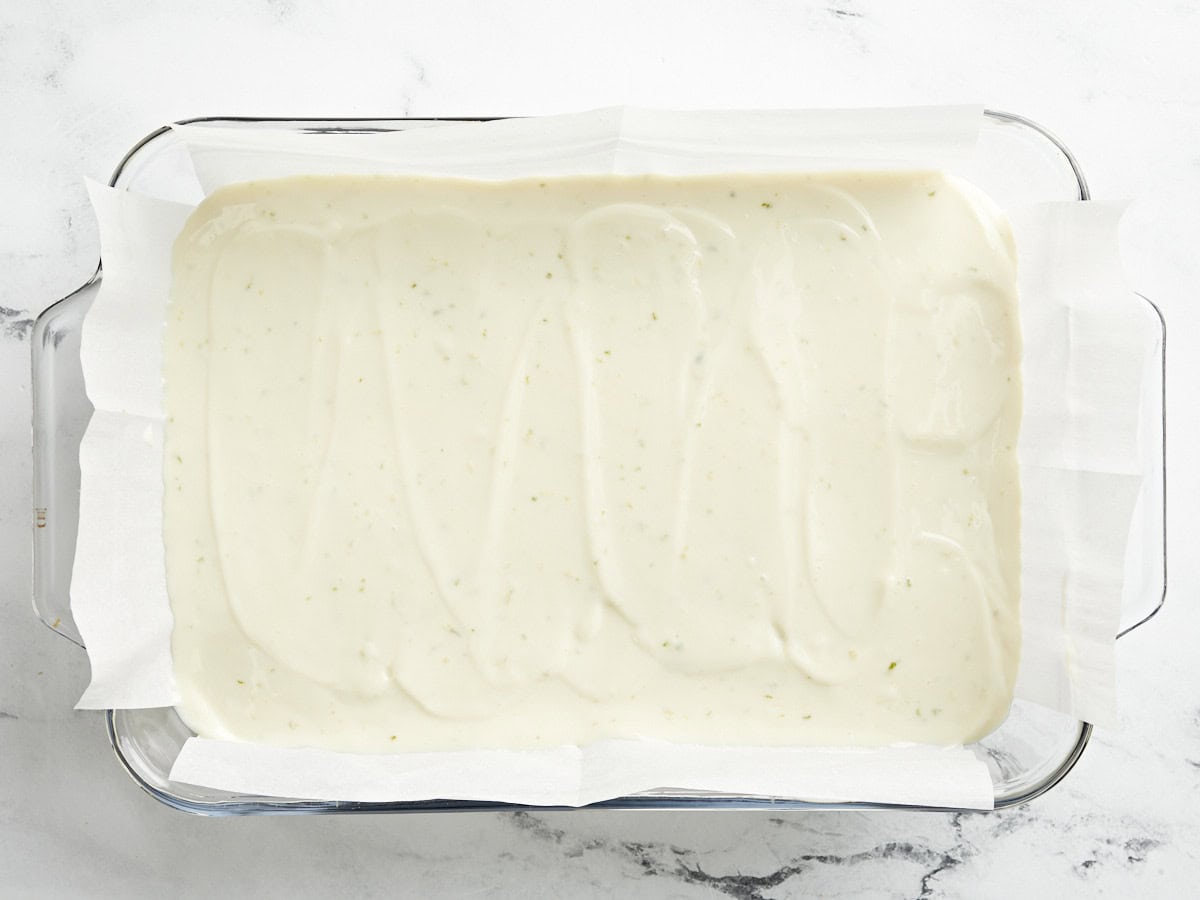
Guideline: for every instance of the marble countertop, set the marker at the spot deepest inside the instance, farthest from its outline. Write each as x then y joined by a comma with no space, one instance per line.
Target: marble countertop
80,83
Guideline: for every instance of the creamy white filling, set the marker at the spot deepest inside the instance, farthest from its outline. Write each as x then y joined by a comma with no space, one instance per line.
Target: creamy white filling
732,459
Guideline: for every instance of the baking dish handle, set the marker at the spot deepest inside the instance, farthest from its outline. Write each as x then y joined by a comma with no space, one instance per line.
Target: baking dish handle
1155,425
61,412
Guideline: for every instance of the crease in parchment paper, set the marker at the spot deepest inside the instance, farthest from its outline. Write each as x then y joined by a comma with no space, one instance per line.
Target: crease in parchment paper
1078,451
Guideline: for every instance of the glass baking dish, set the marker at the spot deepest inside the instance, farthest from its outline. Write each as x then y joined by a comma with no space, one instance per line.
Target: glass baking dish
1017,161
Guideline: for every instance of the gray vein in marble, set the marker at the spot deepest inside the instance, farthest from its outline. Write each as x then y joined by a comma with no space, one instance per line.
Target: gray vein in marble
750,887
15,323
284,9
678,863
849,21
1128,852
58,62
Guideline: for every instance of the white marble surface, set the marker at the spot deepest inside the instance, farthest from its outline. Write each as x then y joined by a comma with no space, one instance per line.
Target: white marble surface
79,83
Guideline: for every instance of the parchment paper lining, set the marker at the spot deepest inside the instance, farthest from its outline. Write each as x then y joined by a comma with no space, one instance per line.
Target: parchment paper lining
1079,451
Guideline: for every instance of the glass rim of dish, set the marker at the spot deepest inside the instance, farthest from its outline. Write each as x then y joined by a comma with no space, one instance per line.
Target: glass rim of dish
241,805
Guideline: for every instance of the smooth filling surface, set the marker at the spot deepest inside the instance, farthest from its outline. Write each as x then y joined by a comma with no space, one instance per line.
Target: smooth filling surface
723,460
